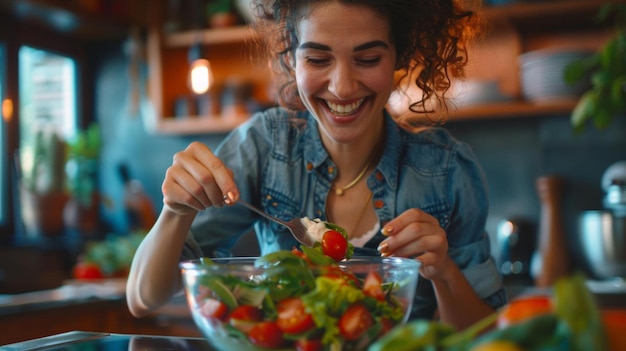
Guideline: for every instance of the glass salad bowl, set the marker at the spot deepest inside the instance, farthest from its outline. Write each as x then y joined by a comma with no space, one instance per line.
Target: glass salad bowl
289,301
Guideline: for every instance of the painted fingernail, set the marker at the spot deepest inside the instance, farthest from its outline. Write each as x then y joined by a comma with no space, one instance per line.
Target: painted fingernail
383,247
387,230
227,199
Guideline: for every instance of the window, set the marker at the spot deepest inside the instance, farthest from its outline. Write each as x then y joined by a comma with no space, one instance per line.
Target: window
40,73
4,189
47,86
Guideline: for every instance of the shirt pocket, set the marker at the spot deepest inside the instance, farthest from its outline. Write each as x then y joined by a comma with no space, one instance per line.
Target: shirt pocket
282,207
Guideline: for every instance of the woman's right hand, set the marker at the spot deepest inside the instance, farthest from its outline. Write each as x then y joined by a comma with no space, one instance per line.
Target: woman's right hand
196,180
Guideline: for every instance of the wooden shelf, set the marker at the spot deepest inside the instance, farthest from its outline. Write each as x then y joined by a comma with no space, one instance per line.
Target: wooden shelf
530,11
512,109
210,37
541,17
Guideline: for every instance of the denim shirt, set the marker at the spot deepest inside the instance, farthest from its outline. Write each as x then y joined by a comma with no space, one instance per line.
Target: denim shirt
280,165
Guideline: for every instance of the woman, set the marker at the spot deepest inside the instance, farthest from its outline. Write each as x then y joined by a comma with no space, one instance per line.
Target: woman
332,151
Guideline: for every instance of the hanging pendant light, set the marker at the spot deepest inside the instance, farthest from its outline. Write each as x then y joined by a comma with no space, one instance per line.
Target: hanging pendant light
200,73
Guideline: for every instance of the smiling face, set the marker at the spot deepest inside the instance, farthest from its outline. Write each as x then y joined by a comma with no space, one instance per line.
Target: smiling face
344,70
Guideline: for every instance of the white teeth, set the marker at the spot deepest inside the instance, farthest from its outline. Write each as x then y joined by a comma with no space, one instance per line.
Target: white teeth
345,109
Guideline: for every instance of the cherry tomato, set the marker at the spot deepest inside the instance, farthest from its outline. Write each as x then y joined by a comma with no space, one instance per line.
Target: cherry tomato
293,317
308,345
355,322
212,308
334,245
87,270
266,334
523,308
246,313
372,286
245,317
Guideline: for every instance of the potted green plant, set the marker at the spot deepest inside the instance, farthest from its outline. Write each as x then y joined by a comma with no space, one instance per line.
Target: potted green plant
81,166
220,13
42,193
607,70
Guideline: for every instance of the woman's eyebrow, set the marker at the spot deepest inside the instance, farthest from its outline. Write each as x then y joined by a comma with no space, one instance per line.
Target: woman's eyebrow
368,45
371,44
315,46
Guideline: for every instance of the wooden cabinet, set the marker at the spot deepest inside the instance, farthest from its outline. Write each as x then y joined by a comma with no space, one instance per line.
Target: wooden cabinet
514,29
234,60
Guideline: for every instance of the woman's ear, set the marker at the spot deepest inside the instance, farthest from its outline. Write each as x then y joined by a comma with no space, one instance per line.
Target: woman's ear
291,60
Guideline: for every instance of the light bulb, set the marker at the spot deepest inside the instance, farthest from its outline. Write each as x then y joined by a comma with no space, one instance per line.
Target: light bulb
200,76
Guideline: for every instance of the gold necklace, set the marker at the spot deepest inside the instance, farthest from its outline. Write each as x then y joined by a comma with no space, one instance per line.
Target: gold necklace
358,219
339,191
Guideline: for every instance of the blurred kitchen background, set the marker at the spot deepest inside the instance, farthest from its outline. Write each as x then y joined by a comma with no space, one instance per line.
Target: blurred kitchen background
111,78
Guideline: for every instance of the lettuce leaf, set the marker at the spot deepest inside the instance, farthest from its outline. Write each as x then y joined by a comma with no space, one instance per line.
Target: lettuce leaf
328,302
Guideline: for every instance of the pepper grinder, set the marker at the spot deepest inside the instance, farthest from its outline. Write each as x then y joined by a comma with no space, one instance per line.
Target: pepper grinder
553,249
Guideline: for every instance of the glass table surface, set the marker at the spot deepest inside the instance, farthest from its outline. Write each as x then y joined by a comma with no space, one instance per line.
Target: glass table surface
88,341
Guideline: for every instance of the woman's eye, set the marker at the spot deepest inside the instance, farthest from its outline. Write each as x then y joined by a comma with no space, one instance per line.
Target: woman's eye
369,61
316,61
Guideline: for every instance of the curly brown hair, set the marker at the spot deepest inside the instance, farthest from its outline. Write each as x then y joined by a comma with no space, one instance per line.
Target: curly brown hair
430,36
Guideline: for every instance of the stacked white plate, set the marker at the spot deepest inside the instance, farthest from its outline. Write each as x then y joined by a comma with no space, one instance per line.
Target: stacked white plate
542,75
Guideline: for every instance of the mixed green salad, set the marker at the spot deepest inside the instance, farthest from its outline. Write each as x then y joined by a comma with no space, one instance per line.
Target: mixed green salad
301,299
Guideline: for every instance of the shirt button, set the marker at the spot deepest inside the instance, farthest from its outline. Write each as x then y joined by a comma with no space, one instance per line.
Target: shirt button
319,213
379,176
268,197
309,166
331,169
275,204
379,203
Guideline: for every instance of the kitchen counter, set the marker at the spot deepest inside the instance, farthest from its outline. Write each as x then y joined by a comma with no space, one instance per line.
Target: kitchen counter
79,340
89,306
70,293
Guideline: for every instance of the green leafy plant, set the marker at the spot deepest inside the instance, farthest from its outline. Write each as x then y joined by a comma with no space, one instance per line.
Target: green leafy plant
114,254
607,70
46,174
82,163
218,6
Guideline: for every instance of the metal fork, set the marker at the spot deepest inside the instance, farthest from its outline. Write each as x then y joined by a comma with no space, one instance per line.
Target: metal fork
295,226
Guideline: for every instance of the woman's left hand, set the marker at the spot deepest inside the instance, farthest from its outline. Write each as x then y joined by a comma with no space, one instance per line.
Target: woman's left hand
415,233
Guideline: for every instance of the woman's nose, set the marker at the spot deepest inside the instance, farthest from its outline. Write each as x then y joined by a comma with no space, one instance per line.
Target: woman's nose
342,82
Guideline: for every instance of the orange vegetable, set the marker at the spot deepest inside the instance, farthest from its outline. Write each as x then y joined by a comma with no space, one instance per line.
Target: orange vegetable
523,308
615,328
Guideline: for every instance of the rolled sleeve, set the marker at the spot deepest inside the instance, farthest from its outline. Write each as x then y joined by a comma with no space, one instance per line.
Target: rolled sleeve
484,278
479,268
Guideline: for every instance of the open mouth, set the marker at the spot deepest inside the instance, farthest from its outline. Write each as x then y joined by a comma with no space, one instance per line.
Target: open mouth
345,109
